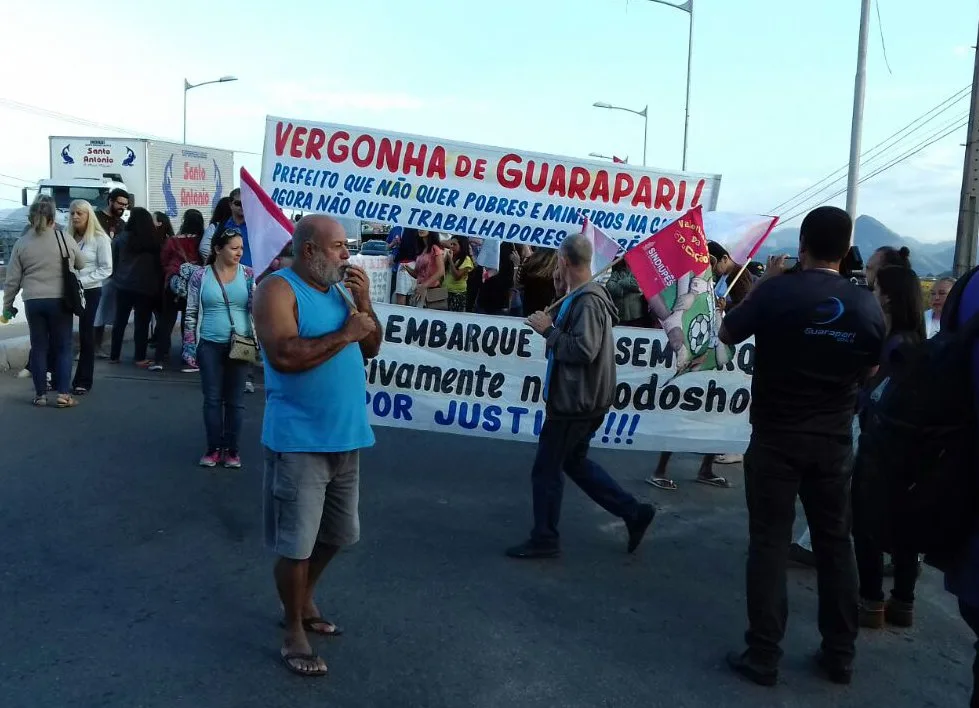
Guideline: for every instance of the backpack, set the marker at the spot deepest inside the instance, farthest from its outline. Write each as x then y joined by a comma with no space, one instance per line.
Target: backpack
919,438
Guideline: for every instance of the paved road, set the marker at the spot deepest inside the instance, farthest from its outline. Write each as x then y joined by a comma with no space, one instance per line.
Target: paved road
130,577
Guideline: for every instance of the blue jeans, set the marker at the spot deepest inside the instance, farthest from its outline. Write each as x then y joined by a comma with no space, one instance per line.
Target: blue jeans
223,384
562,448
50,329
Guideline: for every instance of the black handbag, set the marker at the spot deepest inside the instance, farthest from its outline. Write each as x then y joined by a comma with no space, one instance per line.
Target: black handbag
73,298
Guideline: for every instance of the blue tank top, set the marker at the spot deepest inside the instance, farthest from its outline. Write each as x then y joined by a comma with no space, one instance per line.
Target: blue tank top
323,409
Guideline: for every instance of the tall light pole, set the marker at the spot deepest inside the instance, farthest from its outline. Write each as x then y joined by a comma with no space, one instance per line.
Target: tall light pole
967,231
644,113
188,86
687,7
856,127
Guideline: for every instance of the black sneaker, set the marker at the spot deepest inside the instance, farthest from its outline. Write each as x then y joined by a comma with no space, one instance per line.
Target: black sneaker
802,556
637,527
531,550
741,664
835,671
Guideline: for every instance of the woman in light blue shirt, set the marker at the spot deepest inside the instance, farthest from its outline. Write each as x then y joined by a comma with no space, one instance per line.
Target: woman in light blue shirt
219,305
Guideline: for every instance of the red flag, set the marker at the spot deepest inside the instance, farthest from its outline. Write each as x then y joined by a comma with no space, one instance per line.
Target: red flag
670,254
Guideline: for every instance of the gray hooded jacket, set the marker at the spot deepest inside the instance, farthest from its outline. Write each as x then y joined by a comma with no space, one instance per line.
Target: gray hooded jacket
583,349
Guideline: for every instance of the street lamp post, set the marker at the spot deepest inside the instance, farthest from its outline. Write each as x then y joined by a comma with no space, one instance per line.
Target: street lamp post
188,86
644,113
687,7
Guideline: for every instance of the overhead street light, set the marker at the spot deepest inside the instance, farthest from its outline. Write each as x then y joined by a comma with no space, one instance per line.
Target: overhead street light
687,7
644,113
188,86
613,158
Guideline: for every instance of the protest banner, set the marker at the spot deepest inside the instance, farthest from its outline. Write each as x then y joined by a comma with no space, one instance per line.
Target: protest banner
473,190
483,375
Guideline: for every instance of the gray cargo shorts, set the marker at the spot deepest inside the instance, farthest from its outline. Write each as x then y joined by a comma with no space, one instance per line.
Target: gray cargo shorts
310,498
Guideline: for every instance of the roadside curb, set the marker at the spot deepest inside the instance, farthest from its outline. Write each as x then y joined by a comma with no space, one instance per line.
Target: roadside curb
14,351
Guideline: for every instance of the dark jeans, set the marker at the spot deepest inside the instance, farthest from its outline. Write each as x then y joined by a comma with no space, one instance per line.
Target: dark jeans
777,468
970,614
223,383
170,309
85,371
563,446
868,518
128,301
50,330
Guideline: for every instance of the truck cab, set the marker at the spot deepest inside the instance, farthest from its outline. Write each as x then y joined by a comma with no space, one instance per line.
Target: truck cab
94,190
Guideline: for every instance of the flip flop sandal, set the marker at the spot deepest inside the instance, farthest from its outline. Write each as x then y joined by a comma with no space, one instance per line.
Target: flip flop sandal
667,485
289,657
66,402
714,482
310,624
79,391
40,401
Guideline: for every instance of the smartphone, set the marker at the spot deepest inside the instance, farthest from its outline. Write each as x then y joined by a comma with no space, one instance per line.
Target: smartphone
791,262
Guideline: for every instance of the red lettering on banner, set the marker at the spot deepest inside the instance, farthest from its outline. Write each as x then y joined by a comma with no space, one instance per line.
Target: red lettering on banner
298,138
436,168
623,187
282,134
600,189
314,148
665,191
698,193
389,155
359,157
681,194
558,182
338,153
480,171
541,182
463,166
509,178
579,182
413,161
644,193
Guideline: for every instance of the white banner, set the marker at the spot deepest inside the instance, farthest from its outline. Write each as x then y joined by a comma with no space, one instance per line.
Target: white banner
474,190
481,375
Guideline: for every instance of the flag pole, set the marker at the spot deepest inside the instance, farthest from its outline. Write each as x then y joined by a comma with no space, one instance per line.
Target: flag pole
604,270
731,284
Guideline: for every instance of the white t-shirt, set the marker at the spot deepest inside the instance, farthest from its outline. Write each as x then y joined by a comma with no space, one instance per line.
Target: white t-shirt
933,325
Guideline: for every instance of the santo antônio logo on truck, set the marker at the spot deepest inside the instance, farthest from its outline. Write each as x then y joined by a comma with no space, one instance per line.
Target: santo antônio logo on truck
159,176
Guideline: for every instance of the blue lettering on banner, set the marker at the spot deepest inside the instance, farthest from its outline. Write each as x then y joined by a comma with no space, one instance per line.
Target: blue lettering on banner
383,405
470,415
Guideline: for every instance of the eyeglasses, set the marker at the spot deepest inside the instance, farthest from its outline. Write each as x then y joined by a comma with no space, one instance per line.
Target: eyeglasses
231,233
121,205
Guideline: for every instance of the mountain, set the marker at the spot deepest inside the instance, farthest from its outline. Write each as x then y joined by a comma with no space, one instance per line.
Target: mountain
928,259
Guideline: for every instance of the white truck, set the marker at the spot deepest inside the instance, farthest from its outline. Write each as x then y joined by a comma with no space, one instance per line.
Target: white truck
159,176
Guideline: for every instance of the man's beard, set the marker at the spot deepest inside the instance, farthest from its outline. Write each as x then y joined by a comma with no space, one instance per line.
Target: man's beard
324,273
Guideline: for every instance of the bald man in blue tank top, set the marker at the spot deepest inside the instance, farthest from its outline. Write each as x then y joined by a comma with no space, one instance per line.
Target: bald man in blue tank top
315,344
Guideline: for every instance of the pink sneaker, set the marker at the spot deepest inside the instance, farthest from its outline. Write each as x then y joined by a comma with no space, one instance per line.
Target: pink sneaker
211,459
232,460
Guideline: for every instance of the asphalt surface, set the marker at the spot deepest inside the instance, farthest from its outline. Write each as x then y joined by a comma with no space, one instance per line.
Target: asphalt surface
131,577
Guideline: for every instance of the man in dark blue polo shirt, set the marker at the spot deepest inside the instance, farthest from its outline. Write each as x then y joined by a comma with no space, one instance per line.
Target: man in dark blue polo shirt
817,336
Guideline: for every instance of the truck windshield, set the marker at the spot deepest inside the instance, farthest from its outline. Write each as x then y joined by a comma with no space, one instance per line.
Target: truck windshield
64,196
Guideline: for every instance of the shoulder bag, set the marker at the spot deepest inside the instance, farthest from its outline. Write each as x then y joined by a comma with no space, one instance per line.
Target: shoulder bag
73,298
242,348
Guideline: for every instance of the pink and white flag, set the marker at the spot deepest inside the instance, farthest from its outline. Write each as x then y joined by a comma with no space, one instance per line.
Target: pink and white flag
269,230
740,234
603,249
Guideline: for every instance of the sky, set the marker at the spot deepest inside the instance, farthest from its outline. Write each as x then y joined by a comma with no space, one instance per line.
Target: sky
771,99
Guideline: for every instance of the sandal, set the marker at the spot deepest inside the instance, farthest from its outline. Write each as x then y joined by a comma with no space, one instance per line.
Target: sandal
667,485
65,401
40,401
715,481
291,659
318,625
79,391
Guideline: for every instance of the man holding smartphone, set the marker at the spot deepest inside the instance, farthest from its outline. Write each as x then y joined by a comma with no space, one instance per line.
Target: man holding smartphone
817,336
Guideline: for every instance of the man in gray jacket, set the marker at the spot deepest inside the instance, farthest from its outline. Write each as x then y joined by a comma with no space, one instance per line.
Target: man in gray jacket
578,387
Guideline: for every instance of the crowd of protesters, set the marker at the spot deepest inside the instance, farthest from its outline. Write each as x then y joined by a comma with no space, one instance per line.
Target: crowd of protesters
806,386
